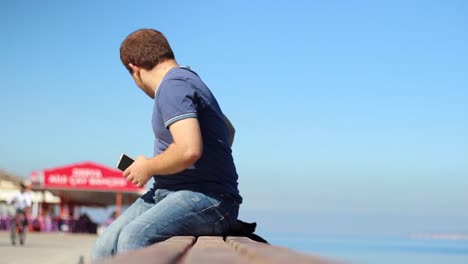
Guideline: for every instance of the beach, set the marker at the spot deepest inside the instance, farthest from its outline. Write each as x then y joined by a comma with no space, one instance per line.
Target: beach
52,248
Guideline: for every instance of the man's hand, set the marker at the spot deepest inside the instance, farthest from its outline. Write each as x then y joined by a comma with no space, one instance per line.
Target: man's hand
138,173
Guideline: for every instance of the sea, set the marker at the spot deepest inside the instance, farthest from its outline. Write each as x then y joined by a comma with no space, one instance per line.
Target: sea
377,249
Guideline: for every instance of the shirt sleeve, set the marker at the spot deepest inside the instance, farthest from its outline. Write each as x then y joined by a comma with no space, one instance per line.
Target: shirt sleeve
12,198
177,100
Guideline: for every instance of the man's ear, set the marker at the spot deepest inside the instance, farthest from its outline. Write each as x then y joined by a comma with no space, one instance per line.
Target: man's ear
134,68
136,71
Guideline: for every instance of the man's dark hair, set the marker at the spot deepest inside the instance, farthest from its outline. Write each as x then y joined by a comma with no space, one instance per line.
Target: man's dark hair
145,48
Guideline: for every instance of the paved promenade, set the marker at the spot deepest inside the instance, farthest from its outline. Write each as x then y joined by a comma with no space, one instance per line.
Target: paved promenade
51,248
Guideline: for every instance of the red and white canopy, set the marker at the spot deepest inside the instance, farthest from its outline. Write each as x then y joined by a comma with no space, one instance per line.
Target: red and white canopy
86,183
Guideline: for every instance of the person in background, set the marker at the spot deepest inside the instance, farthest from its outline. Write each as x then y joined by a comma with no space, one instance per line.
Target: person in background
195,189
21,201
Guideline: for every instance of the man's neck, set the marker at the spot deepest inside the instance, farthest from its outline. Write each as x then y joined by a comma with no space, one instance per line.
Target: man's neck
160,71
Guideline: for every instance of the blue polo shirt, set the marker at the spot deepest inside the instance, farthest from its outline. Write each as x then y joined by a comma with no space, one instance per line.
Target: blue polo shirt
182,94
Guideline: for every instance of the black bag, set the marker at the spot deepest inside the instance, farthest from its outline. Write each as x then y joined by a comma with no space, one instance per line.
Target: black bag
241,228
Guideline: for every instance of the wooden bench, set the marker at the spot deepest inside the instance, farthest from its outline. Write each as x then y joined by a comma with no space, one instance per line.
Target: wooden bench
213,249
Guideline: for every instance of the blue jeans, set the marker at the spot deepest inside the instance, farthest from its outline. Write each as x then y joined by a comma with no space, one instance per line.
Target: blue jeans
174,213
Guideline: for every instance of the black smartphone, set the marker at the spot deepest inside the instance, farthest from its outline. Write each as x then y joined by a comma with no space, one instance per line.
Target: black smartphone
124,162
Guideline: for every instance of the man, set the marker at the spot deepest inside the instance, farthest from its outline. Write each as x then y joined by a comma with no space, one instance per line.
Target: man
21,200
195,190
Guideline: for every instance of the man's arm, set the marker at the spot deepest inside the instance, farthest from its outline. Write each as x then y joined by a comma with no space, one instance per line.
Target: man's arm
27,210
28,199
12,198
186,149
232,130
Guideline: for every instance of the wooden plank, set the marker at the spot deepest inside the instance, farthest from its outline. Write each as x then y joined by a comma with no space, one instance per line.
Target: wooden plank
264,253
166,252
212,250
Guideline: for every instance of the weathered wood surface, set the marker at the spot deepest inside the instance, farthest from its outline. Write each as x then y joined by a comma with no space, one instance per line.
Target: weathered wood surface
167,252
213,249
263,253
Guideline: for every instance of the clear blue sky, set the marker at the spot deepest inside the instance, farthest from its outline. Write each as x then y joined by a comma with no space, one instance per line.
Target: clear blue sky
343,109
